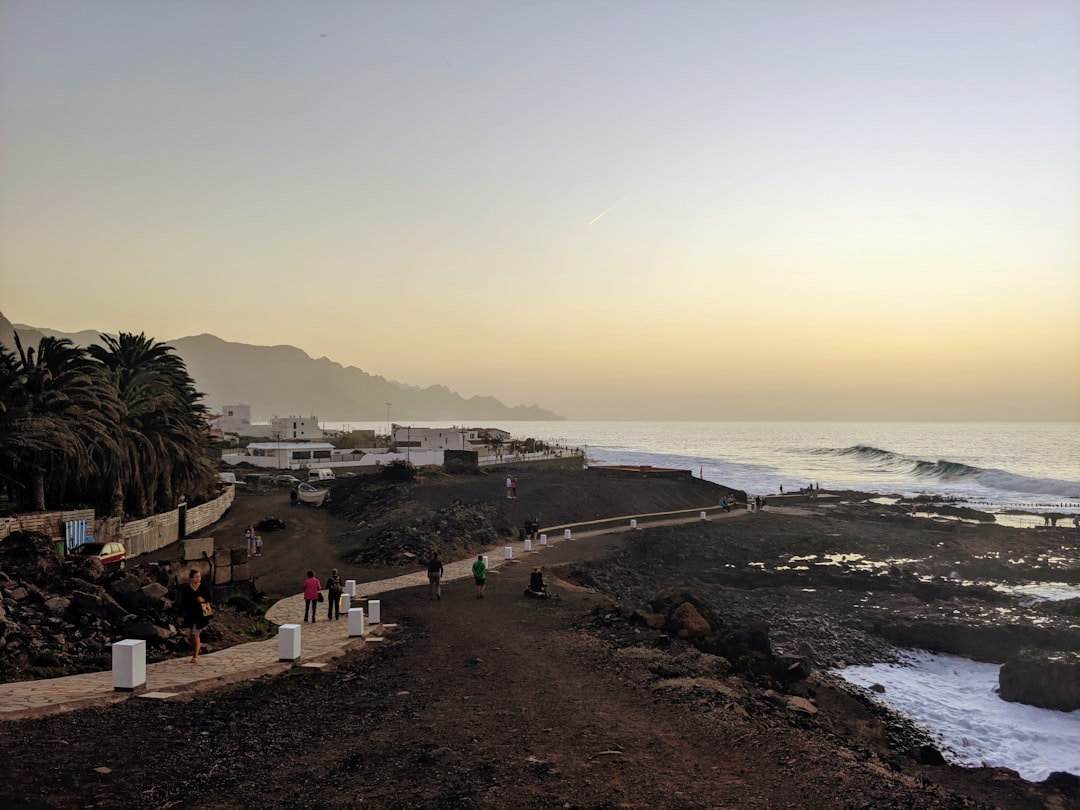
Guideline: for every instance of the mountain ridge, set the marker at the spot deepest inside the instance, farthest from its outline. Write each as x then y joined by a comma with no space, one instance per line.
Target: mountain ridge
284,380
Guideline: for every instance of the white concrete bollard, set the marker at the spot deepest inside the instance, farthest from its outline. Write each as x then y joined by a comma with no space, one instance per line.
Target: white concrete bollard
128,665
703,516
288,643
508,553
374,609
356,622
633,523
346,603
528,545
566,534
543,539
350,587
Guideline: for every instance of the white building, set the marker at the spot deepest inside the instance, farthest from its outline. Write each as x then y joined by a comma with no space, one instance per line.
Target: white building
295,428
236,419
450,438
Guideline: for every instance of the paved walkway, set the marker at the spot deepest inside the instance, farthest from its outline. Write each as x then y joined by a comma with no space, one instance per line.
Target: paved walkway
320,641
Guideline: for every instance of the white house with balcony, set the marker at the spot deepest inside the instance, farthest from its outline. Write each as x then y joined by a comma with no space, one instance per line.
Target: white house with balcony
448,438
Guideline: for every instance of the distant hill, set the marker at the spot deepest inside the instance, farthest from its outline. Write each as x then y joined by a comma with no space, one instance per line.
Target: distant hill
284,381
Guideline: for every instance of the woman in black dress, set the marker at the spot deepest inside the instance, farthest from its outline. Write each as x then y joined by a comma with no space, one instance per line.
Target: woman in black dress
195,610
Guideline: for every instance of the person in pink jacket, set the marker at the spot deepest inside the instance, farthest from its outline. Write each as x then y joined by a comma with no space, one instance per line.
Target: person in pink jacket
312,586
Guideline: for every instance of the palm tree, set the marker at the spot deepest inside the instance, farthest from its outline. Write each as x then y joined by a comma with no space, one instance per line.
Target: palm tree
50,421
161,427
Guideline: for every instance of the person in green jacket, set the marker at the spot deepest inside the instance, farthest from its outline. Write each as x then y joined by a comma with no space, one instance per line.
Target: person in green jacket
479,572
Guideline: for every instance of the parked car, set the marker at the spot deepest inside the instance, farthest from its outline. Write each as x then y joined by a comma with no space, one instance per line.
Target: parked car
258,479
112,555
286,480
320,474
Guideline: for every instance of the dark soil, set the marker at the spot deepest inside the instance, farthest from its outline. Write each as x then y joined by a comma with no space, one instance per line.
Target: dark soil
515,702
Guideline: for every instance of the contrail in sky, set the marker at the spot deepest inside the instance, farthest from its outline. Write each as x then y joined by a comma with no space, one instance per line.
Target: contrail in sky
606,210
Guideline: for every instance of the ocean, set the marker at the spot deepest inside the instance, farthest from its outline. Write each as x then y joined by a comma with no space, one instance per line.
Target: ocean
991,466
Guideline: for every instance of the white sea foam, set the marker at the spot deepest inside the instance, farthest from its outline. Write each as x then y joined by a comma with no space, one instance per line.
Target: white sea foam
955,700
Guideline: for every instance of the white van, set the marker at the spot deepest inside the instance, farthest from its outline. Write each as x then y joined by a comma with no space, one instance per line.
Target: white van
227,477
320,474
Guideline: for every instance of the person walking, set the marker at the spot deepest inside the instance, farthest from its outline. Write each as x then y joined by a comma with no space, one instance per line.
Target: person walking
479,572
312,586
509,485
434,576
513,487
196,608
249,534
334,589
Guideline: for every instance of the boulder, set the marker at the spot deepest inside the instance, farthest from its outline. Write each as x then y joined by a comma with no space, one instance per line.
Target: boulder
1045,679
152,596
667,600
801,705
654,621
689,624
57,605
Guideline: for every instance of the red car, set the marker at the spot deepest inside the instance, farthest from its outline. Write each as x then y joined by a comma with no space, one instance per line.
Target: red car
112,555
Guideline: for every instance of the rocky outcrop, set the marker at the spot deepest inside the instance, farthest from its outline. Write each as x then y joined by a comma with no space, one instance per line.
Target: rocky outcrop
53,615
993,643
1047,680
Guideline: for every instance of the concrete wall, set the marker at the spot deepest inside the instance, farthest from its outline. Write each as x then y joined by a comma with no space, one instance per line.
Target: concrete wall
138,536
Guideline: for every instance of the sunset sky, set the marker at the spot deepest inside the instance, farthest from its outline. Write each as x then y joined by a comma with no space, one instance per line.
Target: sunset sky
613,209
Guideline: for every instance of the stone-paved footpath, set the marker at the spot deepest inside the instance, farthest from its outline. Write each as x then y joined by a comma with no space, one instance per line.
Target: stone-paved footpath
320,641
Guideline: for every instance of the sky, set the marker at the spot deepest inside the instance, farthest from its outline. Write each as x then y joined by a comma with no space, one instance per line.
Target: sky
616,210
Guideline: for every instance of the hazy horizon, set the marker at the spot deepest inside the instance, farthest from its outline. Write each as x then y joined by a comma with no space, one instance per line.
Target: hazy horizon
643,211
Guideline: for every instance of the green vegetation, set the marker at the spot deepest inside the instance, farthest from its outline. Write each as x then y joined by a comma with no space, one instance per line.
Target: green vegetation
118,427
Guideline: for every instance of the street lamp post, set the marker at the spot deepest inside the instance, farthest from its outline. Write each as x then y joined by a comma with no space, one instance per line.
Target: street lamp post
389,437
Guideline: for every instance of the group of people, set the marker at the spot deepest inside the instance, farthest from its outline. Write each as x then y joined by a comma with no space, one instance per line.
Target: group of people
254,541
511,487
313,595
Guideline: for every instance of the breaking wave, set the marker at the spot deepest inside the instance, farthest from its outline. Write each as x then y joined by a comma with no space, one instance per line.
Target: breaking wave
953,472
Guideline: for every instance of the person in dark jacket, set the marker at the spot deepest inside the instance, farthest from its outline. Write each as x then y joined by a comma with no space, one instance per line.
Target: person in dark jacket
334,589
434,576
196,608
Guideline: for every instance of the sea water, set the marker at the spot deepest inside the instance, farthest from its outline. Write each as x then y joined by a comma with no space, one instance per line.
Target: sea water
992,466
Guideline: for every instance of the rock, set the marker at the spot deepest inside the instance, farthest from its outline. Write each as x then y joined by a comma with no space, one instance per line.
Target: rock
57,605
143,628
18,594
667,600
801,705
1047,680
654,621
152,596
690,624
877,687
